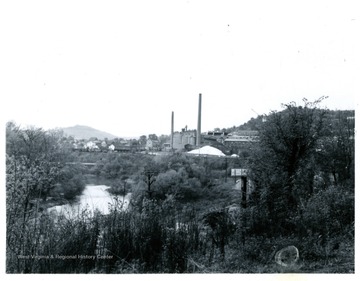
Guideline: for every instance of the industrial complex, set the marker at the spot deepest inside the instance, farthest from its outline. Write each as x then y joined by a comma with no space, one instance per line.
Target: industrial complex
229,143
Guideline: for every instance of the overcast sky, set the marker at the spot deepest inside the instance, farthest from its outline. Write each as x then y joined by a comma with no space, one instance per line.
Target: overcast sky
124,66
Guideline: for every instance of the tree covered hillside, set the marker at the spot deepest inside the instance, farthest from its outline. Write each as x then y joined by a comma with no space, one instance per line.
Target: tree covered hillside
256,123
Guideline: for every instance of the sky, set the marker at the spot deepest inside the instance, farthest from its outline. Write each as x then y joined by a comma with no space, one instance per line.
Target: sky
124,66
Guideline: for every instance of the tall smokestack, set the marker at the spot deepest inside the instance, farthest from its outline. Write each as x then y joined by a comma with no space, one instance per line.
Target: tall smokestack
172,130
198,133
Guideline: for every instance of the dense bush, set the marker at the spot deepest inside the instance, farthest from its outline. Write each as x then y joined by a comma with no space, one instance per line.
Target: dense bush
45,244
152,236
329,211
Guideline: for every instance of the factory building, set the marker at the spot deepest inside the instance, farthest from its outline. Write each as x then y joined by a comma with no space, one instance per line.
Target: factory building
241,141
183,138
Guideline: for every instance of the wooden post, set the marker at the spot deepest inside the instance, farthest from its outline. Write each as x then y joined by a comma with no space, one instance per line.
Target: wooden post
243,191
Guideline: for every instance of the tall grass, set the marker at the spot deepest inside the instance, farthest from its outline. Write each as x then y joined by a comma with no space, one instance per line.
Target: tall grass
160,237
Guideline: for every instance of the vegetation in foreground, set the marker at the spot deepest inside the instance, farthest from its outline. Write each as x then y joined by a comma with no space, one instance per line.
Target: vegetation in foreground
189,219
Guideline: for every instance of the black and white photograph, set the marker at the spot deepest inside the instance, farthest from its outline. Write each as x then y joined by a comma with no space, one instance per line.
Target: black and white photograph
186,137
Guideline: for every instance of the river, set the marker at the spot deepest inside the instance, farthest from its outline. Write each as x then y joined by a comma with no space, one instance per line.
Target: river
93,197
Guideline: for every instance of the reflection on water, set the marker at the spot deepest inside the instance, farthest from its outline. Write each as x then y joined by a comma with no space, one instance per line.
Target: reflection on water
93,197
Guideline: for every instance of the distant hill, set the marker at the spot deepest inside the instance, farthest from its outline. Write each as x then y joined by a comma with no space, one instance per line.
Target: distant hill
85,132
252,125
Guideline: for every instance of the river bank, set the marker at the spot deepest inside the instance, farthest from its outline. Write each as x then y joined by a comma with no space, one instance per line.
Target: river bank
94,197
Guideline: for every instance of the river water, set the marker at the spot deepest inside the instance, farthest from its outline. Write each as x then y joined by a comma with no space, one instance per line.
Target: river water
93,197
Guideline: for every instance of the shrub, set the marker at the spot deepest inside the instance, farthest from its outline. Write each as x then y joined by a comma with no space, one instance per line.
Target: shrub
329,212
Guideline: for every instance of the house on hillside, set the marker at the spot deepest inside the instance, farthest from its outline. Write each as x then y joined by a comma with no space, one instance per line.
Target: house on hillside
91,146
152,144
